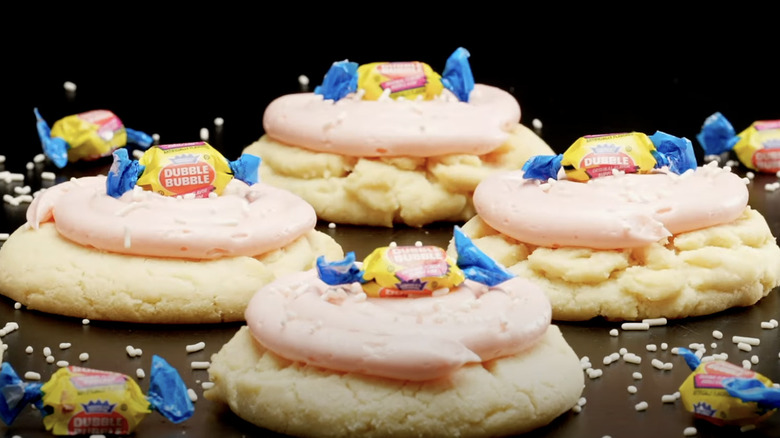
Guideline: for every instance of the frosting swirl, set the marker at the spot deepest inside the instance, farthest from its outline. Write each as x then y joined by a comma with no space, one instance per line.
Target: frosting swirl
244,221
611,212
301,318
391,128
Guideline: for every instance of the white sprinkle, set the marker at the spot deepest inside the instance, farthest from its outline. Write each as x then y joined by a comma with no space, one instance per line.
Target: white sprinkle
767,325
140,373
746,364
137,154
138,352
696,346
48,175
195,347
641,406
635,326
207,385
69,86
632,358
17,305
774,322
717,334
654,321
536,123
204,134
771,187
744,346
607,360
754,359
64,345
748,340
714,345
2,158
651,347
657,364
39,158
85,321
84,357
614,332
418,243
62,363
193,396
586,365
49,359
130,350
668,398
637,375
332,225
668,366
582,401
32,375
23,190
29,166
747,428
594,373
29,349
690,431
576,409
303,80
200,365
219,121
631,389
622,351
46,351
156,137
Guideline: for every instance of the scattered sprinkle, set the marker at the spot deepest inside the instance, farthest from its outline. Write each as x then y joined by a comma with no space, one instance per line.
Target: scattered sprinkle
207,385
641,406
85,321
303,80
62,363
204,134
654,321
668,398
631,389
195,347
744,346
47,175
219,121
69,86
746,339
536,123
140,373
332,225
651,347
690,431
614,332
17,305
193,396
200,365
637,375
635,326
32,375
29,349
747,428
717,334
84,357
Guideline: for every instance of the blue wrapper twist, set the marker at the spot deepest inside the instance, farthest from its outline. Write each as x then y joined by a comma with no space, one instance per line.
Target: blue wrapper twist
339,81
55,148
457,76
168,392
16,394
717,135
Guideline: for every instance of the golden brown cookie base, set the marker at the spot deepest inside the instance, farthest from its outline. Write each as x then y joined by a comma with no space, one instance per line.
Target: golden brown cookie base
46,272
692,274
387,191
501,397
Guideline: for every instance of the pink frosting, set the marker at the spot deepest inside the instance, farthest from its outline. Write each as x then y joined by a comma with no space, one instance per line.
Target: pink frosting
244,221
339,328
374,128
612,212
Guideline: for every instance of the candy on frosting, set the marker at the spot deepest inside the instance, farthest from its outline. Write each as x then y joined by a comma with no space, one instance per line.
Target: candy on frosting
246,220
611,212
301,318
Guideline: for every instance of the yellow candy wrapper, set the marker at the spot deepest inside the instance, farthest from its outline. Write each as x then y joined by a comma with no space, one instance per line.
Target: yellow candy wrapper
399,79
400,271
85,401
183,169
758,147
707,392
86,136
594,156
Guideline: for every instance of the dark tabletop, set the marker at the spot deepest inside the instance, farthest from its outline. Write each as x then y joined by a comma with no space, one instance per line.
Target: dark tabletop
179,84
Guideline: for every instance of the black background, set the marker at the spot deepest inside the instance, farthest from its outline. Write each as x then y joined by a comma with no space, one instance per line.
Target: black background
578,70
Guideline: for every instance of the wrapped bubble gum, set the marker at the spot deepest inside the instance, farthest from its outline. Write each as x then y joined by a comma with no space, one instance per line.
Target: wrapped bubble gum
84,401
413,271
727,394
86,136
182,169
757,147
409,80
594,156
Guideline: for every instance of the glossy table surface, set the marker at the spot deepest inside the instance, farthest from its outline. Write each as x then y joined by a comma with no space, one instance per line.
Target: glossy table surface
178,110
